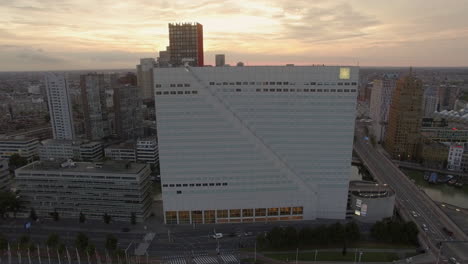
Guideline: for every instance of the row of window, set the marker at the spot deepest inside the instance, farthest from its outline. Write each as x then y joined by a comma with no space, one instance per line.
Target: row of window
260,83
196,184
222,216
269,90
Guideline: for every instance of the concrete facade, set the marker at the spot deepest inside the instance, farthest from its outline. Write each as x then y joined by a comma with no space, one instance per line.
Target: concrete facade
60,107
23,146
244,144
371,202
5,178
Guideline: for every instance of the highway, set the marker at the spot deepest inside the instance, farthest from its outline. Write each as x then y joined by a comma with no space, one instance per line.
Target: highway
409,199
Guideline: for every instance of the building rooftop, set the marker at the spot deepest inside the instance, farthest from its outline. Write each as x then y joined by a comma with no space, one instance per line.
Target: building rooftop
123,145
90,167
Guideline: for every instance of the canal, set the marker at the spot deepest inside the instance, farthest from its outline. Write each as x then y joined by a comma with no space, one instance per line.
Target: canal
441,192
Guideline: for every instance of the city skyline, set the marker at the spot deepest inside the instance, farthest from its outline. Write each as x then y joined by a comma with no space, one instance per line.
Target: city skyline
68,35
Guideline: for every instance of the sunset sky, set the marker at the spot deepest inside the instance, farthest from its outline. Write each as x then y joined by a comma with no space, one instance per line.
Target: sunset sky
104,34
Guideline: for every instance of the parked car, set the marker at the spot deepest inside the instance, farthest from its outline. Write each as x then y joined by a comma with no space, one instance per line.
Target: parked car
217,236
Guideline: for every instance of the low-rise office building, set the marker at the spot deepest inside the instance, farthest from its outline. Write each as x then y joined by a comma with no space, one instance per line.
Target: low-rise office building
53,149
369,202
119,189
147,150
122,151
23,146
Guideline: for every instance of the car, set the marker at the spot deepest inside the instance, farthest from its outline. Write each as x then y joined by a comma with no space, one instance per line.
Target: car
248,234
424,227
217,236
453,260
414,213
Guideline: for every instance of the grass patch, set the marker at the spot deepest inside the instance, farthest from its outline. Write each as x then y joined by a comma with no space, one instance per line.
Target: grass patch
382,245
251,260
335,256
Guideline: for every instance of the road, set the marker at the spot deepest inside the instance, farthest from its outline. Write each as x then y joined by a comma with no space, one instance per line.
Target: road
409,199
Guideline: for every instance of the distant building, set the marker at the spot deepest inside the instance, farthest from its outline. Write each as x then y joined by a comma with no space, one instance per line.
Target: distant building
370,202
145,77
448,94
122,151
220,60
186,44
23,146
434,154
116,188
445,134
164,59
96,114
255,144
5,178
147,150
68,149
454,160
430,101
60,107
381,98
128,112
402,137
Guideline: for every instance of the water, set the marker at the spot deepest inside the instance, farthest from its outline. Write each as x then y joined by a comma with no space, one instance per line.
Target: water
441,192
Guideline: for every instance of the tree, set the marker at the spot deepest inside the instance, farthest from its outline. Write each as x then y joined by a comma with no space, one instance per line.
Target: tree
90,249
81,241
133,218
17,161
82,217
33,215
3,243
352,231
53,240
9,203
24,241
61,248
106,218
336,233
55,215
290,236
344,249
111,243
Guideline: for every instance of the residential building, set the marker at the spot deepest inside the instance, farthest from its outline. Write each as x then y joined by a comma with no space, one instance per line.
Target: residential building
370,202
220,60
5,178
60,107
430,101
186,44
122,151
255,144
68,149
448,94
381,98
402,136
145,77
96,115
147,150
454,160
445,134
128,112
94,189
23,146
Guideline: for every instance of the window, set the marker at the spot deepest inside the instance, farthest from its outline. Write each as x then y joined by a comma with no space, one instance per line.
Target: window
260,212
225,83
278,90
164,185
234,213
179,192
285,83
231,83
222,213
346,90
158,92
218,184
306,90
272,83
258,90
252,83
197,217
285,90
171,185
313,83
209,216
158,85
297,210
205,184
346,83
178,185
247,212
180,92
173,92
194,92
187,92
180,85
184,217
265,90
212,184
340,83
272,90
340,90
238,90
333,90
345,73
191,184
272,211
198,184
353,90
279,83
186,84
185,185
172,85
212,83
319,90
245,83
238,83
292,90
166,92
285,210
171,217
225,184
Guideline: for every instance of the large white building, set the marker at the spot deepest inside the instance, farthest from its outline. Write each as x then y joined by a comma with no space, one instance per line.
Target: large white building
454,159
381,98
244,144
60,107
147,150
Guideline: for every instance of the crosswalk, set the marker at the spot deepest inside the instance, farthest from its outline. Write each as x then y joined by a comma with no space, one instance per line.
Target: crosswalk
228,259
174,260
205,260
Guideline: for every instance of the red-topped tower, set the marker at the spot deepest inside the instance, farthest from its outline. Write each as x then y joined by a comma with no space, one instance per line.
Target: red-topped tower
186,44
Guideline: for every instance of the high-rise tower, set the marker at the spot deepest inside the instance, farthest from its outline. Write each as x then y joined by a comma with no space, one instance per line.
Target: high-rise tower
404,122
96,115
60,108
186,44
